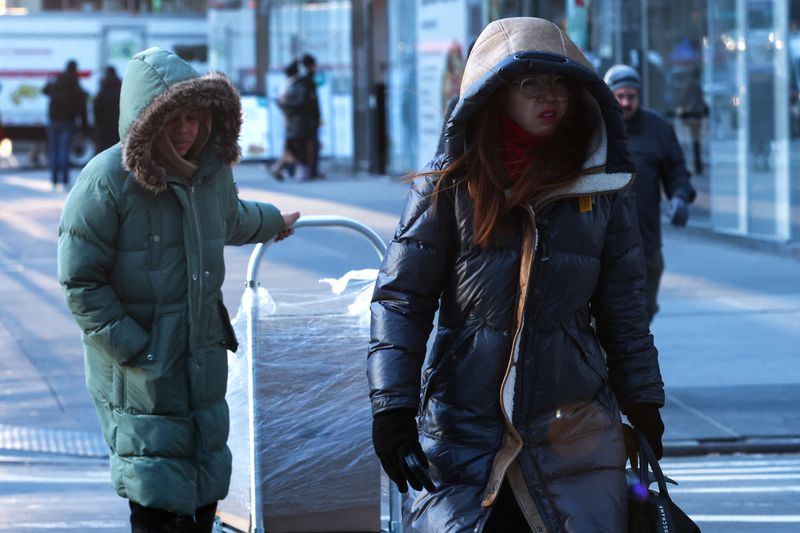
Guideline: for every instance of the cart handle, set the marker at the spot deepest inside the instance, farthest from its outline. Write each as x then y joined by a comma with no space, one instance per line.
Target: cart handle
317,221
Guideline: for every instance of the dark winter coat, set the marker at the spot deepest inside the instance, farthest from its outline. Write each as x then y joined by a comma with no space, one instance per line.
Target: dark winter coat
294,103
311,104
519,384
140,258
67,100
106,113
659,163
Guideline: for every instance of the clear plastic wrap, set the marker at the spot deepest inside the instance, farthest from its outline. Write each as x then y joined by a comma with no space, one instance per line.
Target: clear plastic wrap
318,469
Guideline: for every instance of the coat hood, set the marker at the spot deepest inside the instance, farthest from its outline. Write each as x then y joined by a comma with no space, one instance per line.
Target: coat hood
156,85
512,47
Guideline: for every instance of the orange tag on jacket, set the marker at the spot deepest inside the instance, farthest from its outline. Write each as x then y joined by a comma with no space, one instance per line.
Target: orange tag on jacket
585,204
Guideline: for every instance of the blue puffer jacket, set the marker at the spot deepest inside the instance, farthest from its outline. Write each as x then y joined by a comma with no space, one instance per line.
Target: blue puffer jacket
521,385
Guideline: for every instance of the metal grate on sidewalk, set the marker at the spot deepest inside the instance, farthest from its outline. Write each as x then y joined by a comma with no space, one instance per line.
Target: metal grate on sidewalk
57,441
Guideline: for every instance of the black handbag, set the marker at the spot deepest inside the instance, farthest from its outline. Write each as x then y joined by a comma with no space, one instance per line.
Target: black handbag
651,511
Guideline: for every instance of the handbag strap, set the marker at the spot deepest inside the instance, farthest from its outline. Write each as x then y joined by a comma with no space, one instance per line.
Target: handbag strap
647,460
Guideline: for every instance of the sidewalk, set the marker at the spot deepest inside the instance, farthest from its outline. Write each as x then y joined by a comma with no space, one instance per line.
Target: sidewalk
728,334
728,331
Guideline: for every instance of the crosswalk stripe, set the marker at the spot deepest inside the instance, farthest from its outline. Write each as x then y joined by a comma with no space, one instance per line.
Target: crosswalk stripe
731,477
750,518
733,490
85,479
69,526
739,470
728,464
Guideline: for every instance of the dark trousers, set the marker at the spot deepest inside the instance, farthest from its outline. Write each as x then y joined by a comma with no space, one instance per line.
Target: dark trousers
654,263
506,516
60,138
152,520
313,154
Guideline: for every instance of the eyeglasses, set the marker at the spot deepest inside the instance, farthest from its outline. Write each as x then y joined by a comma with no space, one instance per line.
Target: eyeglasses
540,87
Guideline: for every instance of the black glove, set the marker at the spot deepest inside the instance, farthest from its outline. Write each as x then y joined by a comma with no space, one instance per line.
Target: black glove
394,435
646,418
678,212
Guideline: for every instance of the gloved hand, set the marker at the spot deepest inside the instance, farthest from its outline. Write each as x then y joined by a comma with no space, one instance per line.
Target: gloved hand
394,434
678,212
646,418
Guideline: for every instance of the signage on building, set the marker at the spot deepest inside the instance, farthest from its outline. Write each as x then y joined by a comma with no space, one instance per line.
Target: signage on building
441,51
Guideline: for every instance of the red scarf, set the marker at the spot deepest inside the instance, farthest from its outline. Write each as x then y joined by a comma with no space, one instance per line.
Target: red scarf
516,144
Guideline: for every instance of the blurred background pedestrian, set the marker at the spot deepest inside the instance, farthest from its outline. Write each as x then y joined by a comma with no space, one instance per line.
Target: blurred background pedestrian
692,111
106,111
285,96
660,168
66,112
311,110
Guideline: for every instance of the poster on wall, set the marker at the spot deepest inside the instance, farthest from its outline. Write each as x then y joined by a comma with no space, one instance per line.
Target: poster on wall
441,50
254,137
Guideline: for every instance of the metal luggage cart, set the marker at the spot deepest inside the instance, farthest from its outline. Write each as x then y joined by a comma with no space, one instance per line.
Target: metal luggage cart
252,517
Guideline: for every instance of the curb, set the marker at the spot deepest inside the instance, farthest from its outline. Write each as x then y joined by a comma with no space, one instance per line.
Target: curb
684,448
789,249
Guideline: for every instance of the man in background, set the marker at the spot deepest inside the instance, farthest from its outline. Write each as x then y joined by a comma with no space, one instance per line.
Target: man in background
66,112
660,166
106,111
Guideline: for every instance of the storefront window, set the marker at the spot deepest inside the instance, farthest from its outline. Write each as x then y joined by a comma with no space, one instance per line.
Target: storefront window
402,84
752,85
322,29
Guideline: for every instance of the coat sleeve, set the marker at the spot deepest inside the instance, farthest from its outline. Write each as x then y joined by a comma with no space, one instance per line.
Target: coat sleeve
250,222
406,297
86,255
620,310
675,177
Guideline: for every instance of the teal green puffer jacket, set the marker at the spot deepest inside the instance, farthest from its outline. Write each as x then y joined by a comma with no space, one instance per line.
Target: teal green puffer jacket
140,258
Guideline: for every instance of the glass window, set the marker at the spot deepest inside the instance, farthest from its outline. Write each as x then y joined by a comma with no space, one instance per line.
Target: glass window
323,29
402,105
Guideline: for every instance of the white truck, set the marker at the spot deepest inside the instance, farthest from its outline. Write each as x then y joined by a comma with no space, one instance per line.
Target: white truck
35,48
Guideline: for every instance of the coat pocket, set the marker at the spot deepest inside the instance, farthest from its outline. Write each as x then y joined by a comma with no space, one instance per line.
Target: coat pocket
592,360
446,358
157,381
220,330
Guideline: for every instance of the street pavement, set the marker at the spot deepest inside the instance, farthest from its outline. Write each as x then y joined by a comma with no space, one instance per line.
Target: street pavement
728,334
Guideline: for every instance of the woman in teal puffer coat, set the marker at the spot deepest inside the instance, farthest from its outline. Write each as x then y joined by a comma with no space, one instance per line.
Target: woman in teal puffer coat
140,257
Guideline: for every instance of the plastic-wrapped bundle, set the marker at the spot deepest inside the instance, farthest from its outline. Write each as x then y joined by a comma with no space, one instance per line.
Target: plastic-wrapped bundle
318,469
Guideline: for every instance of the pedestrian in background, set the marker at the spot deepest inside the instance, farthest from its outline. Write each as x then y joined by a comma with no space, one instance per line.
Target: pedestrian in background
524,235
660,168
66,113
106,111
289,96
140,258
692,111
311,110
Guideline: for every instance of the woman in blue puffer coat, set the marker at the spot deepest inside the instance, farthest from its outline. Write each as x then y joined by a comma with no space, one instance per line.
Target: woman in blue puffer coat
524,235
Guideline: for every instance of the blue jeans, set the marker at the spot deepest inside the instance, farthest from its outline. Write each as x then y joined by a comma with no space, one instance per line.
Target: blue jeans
60,138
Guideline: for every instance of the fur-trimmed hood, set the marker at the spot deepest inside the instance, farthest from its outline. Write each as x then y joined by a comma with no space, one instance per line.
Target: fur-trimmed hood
158,83
512,47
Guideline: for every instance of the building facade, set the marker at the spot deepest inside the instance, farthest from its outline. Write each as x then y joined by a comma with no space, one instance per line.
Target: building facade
725,72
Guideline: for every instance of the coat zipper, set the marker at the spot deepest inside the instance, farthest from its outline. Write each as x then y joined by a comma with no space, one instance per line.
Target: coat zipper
512,440
199,273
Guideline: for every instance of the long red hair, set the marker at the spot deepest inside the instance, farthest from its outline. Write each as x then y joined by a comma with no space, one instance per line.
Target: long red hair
556,161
